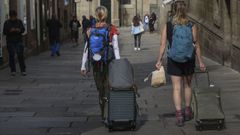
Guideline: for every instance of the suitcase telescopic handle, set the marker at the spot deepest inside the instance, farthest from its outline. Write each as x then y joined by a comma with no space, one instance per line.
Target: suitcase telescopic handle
198,71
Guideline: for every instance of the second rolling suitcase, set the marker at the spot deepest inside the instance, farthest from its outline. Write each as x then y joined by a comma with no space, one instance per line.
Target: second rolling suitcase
207,107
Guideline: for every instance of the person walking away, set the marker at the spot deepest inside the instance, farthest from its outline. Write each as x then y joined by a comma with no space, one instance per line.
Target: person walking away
93,21
137,30
181,58
85,26
152,21
13,29
74,26
100,60
54,26
146,22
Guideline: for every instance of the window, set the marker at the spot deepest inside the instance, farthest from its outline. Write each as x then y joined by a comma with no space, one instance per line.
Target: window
126,1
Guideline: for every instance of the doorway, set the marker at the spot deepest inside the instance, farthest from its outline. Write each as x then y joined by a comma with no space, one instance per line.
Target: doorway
107,4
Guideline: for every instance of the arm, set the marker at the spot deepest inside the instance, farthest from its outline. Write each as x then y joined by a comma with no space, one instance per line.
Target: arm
22,29
162,47
115,46
5,29
84,58
198,48
132,28
70,24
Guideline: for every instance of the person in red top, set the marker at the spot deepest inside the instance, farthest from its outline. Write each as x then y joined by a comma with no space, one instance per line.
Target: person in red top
100,74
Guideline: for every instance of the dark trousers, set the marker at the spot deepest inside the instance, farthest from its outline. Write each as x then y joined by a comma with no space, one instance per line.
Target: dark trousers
16,48
101,82
137,40
55,47
151,27
84,37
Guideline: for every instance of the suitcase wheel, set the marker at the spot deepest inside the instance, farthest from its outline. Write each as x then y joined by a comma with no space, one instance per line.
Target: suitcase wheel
110,129
199,128
133,125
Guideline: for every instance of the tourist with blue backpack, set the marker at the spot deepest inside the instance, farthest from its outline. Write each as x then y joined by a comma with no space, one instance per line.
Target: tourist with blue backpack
100,49
183,48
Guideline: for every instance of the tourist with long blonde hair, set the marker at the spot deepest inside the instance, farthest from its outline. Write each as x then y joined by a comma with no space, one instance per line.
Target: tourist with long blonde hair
102,38
184,48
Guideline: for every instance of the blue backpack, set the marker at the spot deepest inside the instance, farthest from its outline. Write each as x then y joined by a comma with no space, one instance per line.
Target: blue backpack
99,43
181,45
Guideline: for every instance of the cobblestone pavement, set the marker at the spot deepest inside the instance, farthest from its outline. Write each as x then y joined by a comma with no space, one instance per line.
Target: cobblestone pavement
53,99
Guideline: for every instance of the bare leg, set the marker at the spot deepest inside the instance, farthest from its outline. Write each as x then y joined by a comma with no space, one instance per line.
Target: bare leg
188,97
176,81
187,89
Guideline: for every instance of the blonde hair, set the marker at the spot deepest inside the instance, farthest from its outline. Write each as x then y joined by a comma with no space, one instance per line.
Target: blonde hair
179,11
101,13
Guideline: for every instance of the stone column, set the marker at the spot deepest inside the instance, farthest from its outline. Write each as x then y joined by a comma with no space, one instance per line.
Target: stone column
227,28
234,10
115,12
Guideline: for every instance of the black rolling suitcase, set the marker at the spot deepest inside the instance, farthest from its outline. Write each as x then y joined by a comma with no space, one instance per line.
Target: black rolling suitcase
206,104
122,106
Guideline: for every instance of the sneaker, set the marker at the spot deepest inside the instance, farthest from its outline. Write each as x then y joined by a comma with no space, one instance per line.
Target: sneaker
24,73
188,114
139,49
179,119
135,48
13,73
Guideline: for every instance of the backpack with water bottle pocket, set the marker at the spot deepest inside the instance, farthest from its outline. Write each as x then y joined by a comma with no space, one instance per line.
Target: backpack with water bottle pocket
99,49
180,37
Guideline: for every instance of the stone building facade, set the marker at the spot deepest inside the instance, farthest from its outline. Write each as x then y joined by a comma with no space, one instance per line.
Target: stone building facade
121,11
129,8
34,14
87,8
219,25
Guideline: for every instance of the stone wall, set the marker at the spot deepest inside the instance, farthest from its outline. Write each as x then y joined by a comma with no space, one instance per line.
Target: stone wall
88,8
218,25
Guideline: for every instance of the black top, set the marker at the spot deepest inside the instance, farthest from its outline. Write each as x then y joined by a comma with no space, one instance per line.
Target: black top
54,29
85,25
10,31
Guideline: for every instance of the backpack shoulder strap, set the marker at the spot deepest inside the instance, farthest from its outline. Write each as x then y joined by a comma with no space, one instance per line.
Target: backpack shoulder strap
169,32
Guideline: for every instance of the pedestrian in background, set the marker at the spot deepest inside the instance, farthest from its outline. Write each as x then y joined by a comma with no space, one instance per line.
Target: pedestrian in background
13,29
100,67
93,21
152,21
74,26
137,30
54,26
181,58
86,24
146,22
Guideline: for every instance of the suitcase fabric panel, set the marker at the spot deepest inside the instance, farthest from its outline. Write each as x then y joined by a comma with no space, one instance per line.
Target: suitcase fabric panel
122,106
